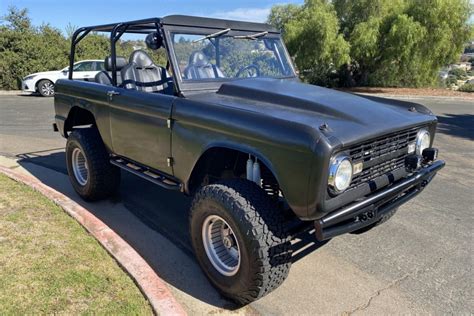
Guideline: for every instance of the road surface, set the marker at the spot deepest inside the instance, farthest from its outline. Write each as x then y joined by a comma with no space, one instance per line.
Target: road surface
418,262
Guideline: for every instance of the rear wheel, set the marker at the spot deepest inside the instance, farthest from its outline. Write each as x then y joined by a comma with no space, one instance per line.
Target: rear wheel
239,239
46,88
90,171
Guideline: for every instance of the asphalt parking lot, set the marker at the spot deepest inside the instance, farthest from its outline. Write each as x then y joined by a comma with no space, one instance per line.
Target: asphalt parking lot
418,262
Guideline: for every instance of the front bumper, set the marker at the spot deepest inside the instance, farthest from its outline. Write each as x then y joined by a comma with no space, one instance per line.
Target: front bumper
370,210
28,86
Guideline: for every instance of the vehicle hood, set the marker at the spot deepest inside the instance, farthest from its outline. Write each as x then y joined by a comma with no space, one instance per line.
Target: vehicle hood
45,73
349,117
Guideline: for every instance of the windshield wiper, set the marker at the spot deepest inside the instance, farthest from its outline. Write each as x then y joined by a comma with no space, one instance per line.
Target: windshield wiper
216,34
251,36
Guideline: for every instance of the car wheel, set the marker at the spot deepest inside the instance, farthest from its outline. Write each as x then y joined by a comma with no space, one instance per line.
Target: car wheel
90,171
384,218
239,239
46,88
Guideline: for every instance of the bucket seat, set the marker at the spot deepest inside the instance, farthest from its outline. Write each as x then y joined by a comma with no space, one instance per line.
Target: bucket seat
142,74
105,77
199,67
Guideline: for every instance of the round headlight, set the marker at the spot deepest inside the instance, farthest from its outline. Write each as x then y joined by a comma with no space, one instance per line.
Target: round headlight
423,140
340,173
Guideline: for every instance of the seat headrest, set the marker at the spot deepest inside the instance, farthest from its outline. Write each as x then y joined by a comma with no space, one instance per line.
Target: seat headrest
141,59
120,62
198,59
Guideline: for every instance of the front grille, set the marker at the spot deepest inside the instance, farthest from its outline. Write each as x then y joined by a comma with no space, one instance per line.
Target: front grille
381,155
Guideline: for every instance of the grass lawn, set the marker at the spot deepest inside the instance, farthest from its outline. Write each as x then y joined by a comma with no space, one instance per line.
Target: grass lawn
49,264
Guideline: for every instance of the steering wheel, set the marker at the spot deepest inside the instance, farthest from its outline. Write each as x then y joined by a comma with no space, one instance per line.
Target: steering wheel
252,71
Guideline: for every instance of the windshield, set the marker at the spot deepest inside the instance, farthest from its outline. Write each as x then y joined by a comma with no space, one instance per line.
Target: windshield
220,56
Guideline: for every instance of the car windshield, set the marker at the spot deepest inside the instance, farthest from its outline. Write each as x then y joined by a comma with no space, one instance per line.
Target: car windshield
220,56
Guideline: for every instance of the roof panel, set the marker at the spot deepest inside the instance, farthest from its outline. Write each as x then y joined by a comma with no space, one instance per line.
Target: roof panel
187,20
148,25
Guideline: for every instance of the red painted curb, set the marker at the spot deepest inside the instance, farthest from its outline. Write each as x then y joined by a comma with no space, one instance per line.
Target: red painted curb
151,285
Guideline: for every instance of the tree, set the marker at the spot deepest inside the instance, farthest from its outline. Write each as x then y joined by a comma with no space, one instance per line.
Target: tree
23,49
353,12
401,62
403,43
314,41
281,14
18,20
447,31
390,42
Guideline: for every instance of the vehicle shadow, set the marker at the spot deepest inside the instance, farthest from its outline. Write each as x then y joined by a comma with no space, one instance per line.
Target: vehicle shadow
150,209
32,94
458,125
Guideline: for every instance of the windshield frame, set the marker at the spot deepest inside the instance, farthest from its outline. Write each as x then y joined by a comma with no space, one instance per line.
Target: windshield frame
212,84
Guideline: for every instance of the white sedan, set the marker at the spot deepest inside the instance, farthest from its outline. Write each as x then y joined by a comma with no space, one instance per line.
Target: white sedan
43,82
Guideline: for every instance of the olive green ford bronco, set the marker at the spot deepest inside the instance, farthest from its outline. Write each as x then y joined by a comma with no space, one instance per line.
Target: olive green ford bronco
227,121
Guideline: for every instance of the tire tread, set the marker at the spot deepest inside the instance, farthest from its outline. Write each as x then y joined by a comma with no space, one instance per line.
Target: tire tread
271,243
103,176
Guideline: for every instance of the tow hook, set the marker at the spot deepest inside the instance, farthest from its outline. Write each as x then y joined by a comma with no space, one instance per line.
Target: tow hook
366,216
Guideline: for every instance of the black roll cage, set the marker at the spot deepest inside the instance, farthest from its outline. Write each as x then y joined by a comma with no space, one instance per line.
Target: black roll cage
163,26
116,31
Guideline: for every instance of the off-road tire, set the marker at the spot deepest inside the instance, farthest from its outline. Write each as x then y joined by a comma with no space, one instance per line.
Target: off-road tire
384,218
41,90
260,231
103,177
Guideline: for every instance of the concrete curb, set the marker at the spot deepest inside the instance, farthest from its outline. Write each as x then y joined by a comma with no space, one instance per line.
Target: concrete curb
151,285
416,97
12,92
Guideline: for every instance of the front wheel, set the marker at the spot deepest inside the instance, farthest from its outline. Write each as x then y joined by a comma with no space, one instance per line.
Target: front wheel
239,239
46,88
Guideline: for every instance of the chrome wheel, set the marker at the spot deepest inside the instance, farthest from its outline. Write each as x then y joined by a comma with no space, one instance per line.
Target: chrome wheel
221,245
79,166
47,88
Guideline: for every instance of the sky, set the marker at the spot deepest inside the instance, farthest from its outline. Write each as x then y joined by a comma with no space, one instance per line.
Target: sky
60,13
92,12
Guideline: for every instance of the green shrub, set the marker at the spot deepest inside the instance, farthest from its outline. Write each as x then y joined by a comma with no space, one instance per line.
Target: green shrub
458,73
451,80
467,87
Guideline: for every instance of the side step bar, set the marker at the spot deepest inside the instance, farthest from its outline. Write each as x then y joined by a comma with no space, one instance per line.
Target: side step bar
154,176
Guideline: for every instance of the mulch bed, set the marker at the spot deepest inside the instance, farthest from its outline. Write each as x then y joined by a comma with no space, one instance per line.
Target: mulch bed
411,91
